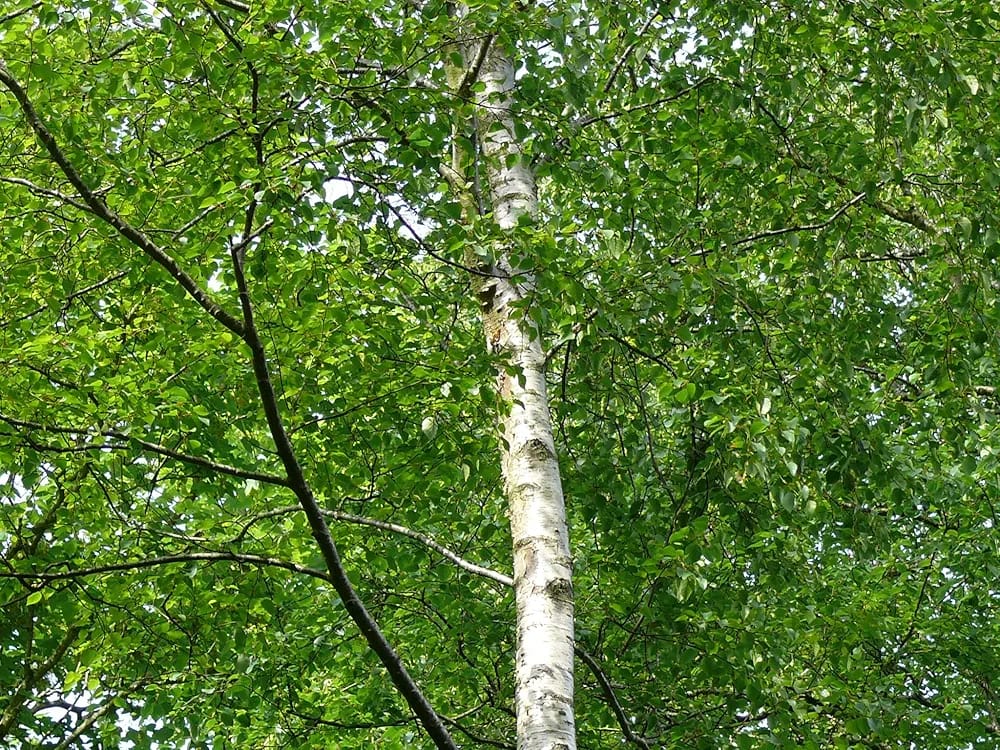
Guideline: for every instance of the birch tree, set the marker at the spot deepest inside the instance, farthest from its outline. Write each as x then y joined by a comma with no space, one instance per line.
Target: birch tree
457,343
542,564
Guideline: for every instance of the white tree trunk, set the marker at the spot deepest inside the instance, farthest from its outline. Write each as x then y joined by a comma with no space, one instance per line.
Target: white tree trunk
542,562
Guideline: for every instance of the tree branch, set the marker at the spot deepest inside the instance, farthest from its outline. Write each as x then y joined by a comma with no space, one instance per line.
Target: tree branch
642,353
161,450
666,99
48,193
152,562
263,561
612,698
100,208
33,677
91,718
418,536
197,149
15,13
478,739
800,227
472,72
234,5
577,125
297,482
912,216
628,51
585,657
82,726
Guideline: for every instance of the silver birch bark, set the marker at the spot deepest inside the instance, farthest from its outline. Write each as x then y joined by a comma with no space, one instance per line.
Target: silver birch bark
542,562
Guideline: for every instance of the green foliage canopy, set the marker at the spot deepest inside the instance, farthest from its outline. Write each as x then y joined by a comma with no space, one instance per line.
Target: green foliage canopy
767,278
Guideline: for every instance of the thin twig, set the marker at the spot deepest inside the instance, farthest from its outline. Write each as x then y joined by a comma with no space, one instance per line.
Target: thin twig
48,193
628,51
152,562
146,445
799,227
584,122
642,352
418,536
200,147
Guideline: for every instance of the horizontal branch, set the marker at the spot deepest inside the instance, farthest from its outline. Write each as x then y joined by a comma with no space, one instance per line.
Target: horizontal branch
350,725
152,562
66,304
48,193
155,448
800,227
93,288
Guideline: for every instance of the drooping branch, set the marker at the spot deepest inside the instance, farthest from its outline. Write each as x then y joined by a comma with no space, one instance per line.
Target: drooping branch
478,739
395,528
641,352
100,208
